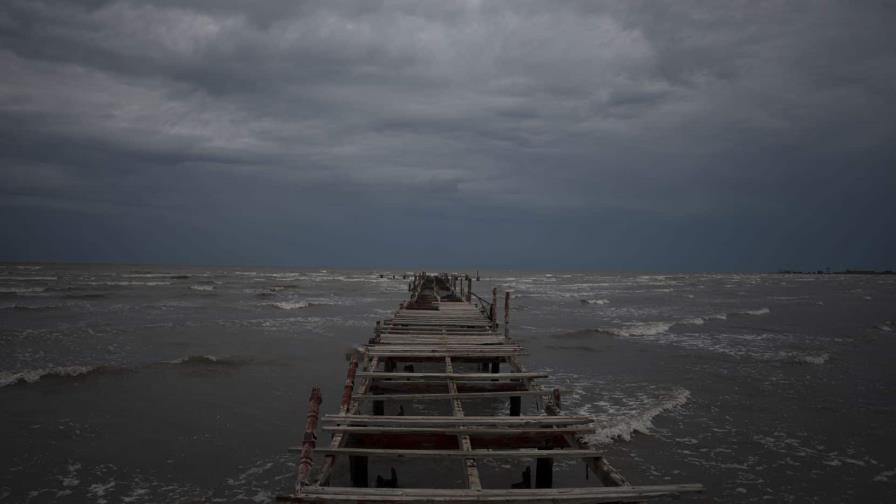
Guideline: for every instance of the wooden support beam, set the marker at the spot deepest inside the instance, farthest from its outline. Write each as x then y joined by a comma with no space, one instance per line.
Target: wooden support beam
495,431
523,453
586,495
454,376
472,470
410,421
447,395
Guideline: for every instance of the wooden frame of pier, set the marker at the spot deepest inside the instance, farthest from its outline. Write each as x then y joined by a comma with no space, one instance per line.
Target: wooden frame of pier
445,323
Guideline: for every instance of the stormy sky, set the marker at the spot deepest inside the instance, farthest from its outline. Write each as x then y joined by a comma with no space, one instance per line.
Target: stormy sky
692,136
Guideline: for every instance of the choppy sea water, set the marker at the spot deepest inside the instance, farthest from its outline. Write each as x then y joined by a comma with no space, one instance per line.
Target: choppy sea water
152,383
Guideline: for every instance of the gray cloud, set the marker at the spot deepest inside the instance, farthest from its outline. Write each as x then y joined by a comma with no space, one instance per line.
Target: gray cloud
679,135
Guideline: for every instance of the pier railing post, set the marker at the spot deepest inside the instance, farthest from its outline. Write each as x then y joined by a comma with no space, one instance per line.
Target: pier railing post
469,289
506,314
493,311
310,439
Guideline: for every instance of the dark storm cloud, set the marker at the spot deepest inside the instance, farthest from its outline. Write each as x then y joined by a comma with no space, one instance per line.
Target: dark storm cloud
575,134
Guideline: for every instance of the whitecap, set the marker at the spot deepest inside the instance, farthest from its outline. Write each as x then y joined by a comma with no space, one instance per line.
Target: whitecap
642,421
203,287
291,305
33,375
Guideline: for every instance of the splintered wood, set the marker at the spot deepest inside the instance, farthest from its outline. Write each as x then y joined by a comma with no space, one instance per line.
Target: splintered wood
443,344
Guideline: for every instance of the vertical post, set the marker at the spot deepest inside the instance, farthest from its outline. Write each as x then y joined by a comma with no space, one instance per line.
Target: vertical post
506,314
469,289
310,438
496,366
357,468
544,472
493,312
379,408
515,406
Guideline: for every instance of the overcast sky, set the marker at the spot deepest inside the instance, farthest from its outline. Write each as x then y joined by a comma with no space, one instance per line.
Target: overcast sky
548,135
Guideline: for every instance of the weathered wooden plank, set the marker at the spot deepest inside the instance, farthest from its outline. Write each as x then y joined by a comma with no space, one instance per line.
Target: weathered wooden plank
448,395
585,495
451,420
454,376
523,453
497,431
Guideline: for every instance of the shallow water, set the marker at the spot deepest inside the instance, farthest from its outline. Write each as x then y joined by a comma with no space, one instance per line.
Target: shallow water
149,383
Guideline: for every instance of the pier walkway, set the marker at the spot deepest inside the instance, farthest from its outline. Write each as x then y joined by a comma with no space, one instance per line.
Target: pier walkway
444,344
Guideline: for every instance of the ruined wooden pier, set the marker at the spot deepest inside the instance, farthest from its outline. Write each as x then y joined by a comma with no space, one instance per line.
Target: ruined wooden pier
452,336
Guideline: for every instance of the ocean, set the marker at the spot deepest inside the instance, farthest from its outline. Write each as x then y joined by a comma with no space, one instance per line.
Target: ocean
135,383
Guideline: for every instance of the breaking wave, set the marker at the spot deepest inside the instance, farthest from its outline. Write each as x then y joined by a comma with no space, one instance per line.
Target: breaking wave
639,422
662,326
205,360
34,375
291,305
595,301
203,287
618,411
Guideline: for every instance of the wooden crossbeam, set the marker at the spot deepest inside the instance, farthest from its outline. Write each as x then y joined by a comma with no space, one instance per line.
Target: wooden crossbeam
451,420
585,495
525,453
495,431
448,395
454,376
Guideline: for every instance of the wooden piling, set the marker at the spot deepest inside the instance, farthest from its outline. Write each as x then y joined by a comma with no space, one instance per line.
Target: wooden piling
544,472
515,405
357,468
310,439
507,314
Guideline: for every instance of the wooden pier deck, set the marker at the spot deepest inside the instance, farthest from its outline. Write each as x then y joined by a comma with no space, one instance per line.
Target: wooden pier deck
453,333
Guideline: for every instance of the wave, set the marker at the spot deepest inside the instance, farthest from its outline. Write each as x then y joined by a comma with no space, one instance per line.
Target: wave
813,359
659,327
27,278
128,283
206,360
34,375
84,295
21,291
291,305
28,308
887,325
203,287
595,301
640,422
147,275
